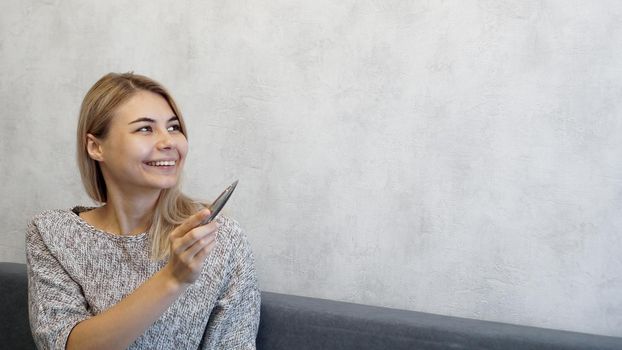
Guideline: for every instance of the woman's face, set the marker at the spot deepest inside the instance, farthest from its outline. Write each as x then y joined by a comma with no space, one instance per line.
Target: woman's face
144,148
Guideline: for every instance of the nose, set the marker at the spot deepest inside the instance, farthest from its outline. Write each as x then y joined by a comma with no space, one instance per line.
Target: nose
165,141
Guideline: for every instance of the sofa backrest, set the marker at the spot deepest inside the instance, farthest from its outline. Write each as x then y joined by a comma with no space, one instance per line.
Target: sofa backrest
294,322
14,325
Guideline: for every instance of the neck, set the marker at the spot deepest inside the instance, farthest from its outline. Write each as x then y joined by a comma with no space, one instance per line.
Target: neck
129,215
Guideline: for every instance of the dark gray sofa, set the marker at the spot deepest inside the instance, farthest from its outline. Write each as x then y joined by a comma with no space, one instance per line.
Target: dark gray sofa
300,323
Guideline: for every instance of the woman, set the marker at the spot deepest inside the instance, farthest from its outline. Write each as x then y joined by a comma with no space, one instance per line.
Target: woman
138,271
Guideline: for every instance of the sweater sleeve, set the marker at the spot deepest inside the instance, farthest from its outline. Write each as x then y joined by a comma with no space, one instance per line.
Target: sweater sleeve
234,321
55,300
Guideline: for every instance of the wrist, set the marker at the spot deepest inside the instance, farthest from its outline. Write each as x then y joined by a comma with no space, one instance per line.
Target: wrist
168,280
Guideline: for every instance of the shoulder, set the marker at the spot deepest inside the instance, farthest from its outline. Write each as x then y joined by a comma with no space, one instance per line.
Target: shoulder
233,245
230,232
53,223
51,218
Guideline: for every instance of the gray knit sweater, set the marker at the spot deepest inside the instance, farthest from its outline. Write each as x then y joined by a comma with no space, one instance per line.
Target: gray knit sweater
76,271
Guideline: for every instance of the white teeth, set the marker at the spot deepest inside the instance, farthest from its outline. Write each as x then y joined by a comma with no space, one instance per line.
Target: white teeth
162,163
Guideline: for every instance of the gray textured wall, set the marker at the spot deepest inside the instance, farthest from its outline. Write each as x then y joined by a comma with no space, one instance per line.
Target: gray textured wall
454,157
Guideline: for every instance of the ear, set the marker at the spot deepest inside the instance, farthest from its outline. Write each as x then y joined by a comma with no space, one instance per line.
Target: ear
94,148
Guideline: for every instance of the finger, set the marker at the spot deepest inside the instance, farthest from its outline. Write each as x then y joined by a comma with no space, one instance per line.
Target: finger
181,244
190,223
198,233
199,258
195,248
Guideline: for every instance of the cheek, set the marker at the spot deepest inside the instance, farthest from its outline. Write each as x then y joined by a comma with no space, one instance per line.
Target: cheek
128,148
135,148
182,146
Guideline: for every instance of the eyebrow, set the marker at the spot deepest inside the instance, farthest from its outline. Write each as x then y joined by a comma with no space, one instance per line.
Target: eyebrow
149,120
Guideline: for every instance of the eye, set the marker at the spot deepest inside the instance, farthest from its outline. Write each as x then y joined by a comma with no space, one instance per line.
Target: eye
175,127
145,128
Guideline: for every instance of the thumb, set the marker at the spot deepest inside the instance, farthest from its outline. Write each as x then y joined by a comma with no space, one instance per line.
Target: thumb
191,222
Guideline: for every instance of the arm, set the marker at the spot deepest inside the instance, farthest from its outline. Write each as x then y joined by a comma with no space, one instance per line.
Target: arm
55,300
234,321
119,326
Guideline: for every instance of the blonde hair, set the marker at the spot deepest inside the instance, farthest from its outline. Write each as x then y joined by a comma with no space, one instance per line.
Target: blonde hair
96,112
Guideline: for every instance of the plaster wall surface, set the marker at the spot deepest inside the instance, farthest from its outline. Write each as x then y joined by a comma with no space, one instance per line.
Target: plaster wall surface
454,157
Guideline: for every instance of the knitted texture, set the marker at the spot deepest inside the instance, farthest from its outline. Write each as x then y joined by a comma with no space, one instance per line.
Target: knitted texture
76,271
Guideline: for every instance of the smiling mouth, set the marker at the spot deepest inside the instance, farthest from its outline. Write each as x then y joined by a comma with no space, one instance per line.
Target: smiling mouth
164,163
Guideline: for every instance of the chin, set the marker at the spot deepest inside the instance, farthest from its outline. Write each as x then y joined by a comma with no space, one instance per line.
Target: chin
167,185
163,184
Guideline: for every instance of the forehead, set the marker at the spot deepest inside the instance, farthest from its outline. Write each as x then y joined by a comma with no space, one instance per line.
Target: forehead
144,104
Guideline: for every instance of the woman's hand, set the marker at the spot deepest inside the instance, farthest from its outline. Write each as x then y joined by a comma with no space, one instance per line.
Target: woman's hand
190,246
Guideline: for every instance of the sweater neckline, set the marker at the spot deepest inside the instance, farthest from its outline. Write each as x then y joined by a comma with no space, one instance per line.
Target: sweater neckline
75,213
